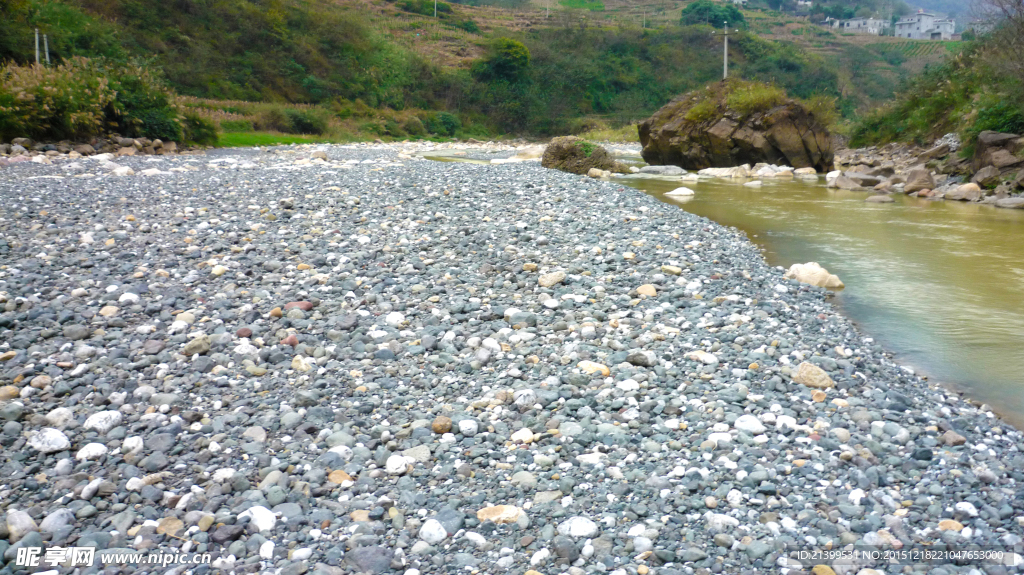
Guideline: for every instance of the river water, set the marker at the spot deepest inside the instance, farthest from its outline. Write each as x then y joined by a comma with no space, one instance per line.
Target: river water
941,284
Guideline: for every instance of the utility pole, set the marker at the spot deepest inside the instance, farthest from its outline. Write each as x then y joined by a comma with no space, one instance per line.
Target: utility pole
46,48
435,8
725,56
37,45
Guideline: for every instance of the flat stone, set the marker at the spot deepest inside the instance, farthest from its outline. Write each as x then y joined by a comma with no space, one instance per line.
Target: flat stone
812,376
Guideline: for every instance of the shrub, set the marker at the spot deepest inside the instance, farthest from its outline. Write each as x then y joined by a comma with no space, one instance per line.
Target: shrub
752,98
81,98
306,121
702,111
197,130
273,119
824,109
414,126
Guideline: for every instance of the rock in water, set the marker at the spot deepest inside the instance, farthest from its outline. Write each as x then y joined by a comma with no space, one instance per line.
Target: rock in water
700,130
814,274
577,156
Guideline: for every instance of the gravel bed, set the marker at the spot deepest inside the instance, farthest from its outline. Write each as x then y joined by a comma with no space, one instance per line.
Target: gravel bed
370,362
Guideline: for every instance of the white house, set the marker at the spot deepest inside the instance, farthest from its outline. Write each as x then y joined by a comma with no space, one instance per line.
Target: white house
872,26
925,26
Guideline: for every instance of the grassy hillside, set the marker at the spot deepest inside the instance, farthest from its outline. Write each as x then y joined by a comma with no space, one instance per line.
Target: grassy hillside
381,66
967,93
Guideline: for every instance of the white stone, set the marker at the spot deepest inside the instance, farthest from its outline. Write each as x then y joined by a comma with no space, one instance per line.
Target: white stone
123,171
476,539
48,440
813,274
750,424
396,465
784,421
59,417
680,192
218,270
468,427
128,298
966,507
132,444
433,532
260,516
720,522
754,184
267,550
301,554
91,451
540,557
103,421
702,356
524,435
394,319
577,526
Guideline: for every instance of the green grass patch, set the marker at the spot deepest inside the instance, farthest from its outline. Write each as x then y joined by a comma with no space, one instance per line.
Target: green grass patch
752,98
250,139
592,5
702,111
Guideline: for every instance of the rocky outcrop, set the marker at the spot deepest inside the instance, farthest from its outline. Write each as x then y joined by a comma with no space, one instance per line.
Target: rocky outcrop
784,134
577,156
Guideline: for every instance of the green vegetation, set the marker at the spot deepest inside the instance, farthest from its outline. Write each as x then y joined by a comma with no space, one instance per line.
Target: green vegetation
702,111
249,139
711,13
592,5
83,98
588,148
967,94
752,98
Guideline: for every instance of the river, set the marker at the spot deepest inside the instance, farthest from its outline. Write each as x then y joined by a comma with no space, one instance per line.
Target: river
939,283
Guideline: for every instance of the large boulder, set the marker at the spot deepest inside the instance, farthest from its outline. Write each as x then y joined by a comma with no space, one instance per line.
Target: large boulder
814,274
998,149
699,130
578,156
919,179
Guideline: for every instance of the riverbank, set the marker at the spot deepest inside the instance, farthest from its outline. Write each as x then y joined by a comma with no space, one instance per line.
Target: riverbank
352,359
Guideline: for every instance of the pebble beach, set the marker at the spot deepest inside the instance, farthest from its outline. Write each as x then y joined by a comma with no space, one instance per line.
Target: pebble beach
350,359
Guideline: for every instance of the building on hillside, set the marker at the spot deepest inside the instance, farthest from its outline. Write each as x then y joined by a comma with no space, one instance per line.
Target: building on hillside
925,26
739,3
872,26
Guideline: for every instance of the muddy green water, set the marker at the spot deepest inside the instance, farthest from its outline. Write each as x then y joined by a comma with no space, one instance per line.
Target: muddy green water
939,283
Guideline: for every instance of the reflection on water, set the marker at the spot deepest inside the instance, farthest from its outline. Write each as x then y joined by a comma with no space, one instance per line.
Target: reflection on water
939,283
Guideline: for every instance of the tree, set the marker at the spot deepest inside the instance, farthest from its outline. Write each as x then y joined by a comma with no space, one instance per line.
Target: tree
508,60
712,13
1005,19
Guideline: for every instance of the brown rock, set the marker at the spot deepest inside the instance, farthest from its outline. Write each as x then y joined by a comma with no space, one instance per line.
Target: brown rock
577,156
987,177
290,340
337,476
441,425
500,514
812,376
169,526
243,332
40,381
360,515
822,570
785,134
109,311
919,179
303,305
9,392
969,192
879,199
276,312
953,438
590,367
950,525
647,290
8,355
